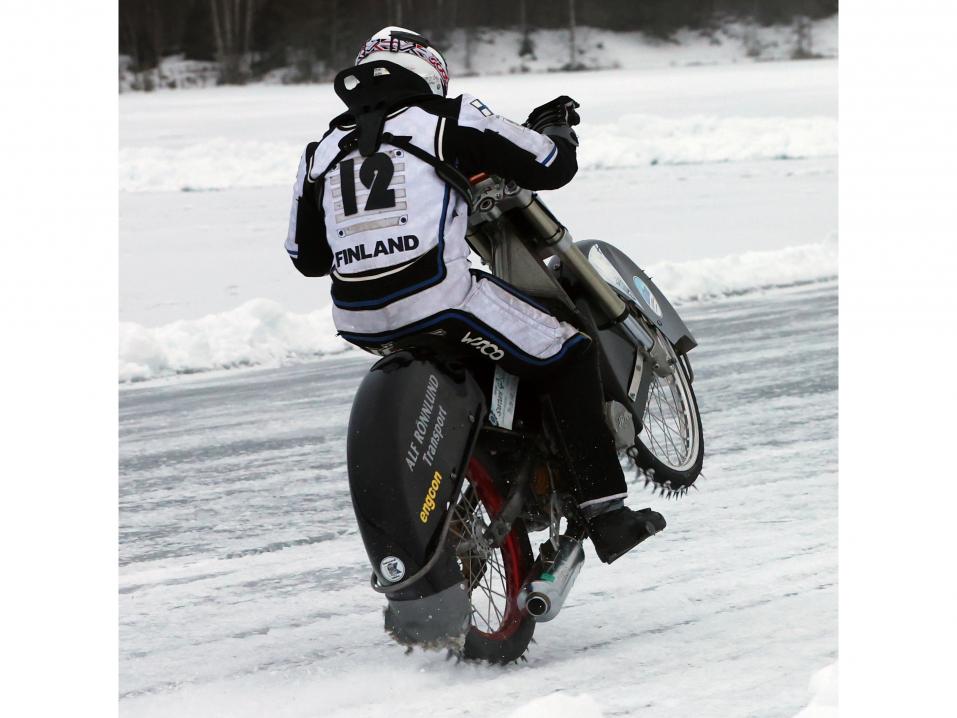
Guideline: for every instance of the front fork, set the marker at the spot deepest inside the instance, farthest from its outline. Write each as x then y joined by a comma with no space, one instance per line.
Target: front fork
556,237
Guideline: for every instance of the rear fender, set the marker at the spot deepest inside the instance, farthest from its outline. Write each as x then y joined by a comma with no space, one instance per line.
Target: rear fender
413,425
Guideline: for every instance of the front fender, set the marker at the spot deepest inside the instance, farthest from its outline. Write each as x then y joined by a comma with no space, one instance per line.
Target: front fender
652,302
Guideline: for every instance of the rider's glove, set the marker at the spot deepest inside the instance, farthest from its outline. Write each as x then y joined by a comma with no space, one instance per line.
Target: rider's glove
556,118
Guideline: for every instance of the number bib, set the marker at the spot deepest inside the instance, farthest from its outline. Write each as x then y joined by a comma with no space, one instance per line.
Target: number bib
386,210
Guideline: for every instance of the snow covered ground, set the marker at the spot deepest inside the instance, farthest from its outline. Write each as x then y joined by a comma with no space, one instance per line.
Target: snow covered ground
242,578
823,687
244,584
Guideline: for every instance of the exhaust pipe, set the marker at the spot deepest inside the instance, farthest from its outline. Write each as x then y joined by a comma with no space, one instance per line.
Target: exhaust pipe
544,595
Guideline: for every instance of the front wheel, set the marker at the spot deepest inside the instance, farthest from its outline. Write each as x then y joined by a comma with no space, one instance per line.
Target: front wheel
499,629
670,445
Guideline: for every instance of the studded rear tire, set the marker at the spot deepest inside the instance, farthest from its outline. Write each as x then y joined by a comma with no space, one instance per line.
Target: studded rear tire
500,630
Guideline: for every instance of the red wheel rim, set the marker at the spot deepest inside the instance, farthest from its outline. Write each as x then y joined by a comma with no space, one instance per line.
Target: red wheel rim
492,501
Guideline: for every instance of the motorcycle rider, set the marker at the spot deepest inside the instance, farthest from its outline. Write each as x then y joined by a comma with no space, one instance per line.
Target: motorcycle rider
380,204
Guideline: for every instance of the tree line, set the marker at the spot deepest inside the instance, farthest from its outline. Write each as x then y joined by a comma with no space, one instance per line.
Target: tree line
250,37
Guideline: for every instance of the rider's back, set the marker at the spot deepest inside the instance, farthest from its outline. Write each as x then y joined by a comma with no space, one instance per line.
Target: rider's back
393,229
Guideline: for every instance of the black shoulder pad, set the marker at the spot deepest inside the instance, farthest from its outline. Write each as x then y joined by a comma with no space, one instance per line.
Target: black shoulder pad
374,89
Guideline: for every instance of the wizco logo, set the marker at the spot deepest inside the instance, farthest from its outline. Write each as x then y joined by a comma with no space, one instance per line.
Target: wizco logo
483,345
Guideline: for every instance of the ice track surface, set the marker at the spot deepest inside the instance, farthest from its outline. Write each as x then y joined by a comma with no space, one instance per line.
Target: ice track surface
244,584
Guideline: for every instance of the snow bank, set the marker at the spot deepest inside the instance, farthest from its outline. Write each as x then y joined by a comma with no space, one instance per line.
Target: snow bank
262,333
823,689
173,72
738,273
635,139
638,139
559,705
259,332
219,163
495,52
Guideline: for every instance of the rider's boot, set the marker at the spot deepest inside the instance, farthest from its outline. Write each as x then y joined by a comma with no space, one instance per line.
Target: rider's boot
576,400
615,529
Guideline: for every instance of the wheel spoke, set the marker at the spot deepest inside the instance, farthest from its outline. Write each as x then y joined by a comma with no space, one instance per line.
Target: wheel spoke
666,429
670,430
482,565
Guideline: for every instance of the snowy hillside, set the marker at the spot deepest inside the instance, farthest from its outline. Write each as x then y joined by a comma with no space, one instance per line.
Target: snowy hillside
496,52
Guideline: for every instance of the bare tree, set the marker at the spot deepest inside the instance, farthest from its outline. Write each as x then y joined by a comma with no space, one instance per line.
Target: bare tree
335,29
439,23
232,33
803,41
142,31
525,47
572,47
316,34
469,48
455,21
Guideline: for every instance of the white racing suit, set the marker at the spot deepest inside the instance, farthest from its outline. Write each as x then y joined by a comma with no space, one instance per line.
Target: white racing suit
391,233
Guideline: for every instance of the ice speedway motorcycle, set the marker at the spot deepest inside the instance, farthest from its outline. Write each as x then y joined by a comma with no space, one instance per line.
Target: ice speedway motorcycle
449,477
451,469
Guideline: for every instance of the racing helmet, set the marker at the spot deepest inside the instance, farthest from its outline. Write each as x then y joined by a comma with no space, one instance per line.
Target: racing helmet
411,51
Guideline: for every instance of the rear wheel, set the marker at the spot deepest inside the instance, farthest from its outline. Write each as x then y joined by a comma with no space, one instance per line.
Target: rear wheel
500,630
